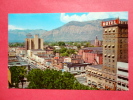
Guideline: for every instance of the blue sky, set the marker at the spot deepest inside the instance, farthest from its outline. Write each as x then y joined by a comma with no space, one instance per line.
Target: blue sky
49,21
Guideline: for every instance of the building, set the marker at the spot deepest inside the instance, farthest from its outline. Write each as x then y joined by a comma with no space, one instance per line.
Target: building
12,56
20,51
75,68
31,53
34,43
115,47
97,43
94,76
122,76
92,55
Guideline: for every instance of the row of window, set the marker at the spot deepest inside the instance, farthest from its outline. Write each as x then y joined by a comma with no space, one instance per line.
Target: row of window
123,70
77,68
121,84
123,78
109,46
114,30
109,70
109,56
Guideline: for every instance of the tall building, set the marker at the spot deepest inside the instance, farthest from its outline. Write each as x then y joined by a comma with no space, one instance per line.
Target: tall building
115,48
34,43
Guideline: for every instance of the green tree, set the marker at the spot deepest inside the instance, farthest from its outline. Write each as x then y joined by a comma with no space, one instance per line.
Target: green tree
79,46
16,44
61,43
53,79
62,50
36,79
64,54
17,73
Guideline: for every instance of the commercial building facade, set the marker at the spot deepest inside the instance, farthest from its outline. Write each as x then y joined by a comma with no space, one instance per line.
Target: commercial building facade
115,47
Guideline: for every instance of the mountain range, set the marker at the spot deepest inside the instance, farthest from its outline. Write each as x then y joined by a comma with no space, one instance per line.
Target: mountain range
72,31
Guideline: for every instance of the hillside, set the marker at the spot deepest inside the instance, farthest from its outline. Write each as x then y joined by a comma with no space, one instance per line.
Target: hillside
72,31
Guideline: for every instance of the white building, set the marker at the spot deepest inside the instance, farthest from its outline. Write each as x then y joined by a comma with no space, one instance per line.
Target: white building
75,68
122,76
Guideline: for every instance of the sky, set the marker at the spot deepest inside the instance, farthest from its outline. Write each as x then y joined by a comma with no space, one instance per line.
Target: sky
49,21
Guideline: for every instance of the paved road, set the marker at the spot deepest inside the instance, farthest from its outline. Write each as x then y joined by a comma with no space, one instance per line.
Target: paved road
33,64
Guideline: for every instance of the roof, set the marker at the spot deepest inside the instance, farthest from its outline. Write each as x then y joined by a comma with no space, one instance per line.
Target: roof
93,48
17,63
69,64
37,50
96,52
96,66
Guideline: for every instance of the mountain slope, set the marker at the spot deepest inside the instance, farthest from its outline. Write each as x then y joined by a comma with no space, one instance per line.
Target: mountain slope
20,35
75,31
72,31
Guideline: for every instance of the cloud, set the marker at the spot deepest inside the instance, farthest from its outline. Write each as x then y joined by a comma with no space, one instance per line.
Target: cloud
93,16
12,27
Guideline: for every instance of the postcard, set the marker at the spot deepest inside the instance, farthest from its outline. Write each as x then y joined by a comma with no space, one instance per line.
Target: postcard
73,51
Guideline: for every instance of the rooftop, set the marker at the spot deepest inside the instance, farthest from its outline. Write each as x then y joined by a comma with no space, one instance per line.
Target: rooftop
96,66
93,48
69,64
37,50
17,63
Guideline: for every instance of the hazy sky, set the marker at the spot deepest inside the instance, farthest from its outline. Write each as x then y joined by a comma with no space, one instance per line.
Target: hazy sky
49,21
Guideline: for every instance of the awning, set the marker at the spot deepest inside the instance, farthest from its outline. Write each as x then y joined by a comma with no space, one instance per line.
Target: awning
108,55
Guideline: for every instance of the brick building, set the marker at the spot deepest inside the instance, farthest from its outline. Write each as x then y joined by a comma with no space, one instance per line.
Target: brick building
91,55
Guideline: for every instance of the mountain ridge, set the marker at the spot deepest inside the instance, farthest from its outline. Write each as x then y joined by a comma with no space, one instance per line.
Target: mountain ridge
71,31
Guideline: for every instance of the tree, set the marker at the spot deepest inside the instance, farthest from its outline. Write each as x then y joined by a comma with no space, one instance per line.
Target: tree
61,43
17,73
53,79
16,44
36,79
79,46
64,54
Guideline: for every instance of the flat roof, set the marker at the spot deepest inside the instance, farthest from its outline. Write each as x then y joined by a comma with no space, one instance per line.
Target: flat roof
17,63
37,50
93,48
96,66
69,64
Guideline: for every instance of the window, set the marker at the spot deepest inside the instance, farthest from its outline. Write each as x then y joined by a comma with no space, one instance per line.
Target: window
120,56
113,56
74,68
113,71
106,31
113,46
79,68
114,30
69,69
123,70
123,85
119,83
